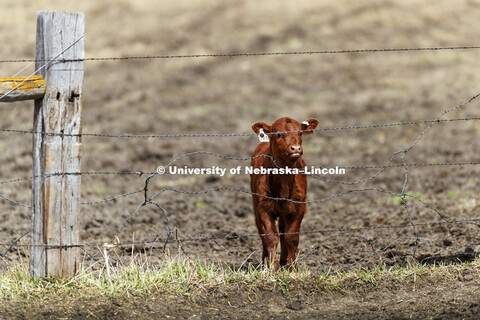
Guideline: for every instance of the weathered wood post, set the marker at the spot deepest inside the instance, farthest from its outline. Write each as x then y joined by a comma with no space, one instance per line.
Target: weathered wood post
57,144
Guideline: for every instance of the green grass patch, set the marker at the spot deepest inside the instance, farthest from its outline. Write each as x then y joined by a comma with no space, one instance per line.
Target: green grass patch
452,194
395,200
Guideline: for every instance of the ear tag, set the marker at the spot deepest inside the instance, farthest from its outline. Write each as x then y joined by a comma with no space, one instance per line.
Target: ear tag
305,123
262,136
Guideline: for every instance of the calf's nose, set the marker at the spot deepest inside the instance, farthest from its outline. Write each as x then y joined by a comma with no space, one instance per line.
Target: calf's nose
296,148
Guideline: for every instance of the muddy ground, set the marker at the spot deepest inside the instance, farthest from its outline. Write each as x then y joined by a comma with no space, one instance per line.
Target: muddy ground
227,95
426,298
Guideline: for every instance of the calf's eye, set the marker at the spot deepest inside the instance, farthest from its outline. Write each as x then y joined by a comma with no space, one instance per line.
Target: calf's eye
279,135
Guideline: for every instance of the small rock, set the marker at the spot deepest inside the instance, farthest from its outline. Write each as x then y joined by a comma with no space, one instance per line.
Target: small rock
294,305
468,277
221,295
180,300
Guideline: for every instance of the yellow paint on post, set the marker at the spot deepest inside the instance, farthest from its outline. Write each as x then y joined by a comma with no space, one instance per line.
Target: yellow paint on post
22,88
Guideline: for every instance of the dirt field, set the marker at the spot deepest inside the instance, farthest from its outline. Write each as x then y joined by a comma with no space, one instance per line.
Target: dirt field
227,95
445,300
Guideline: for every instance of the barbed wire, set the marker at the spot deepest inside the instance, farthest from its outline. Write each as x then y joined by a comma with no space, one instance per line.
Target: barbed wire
14,202
141,172
255,54
302,256
220,188
217,188
207,135
202,238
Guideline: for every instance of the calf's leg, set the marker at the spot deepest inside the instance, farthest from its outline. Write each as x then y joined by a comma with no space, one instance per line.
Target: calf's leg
290,237
269,236
283,244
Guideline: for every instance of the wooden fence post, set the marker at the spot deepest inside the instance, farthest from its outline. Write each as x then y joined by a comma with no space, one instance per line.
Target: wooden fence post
22,88
57,145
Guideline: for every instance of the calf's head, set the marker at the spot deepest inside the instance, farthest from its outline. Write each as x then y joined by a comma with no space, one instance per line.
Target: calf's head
286,147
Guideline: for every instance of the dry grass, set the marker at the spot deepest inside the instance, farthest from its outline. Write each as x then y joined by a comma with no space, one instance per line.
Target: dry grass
185,277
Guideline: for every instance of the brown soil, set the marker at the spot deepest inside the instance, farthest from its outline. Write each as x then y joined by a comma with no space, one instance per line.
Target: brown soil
427,298
225,95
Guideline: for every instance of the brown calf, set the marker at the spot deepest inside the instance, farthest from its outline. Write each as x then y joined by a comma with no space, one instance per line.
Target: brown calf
283,150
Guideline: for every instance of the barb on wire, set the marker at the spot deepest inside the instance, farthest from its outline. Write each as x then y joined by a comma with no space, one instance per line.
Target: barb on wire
15,180
123,195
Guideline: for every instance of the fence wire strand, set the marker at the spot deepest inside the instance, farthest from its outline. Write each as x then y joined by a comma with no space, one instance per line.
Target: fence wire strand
207,135
257,54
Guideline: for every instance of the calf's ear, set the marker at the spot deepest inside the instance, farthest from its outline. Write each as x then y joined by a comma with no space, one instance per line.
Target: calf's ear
261,125
310,124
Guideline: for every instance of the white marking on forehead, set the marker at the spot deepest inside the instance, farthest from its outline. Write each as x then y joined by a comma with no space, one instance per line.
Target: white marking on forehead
305,123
